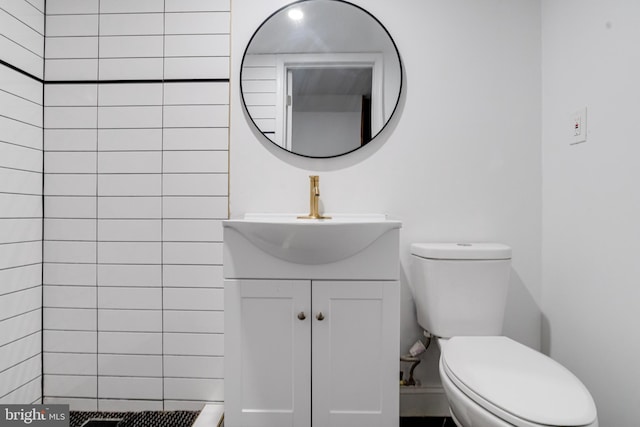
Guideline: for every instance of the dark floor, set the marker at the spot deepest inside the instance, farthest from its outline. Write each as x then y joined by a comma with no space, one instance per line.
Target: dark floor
133,419
426,422
187,418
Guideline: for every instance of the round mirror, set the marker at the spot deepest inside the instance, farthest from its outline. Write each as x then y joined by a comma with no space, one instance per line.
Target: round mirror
321,78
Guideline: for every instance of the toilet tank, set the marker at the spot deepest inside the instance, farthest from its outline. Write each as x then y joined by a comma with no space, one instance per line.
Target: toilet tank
460,289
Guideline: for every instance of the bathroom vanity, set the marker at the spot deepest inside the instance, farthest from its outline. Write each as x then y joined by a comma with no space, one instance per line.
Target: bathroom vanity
311,321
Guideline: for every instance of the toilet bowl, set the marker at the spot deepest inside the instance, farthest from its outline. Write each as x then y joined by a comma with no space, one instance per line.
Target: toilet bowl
489,380
494,381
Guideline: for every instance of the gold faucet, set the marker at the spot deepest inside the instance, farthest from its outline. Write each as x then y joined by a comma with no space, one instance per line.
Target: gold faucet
314,198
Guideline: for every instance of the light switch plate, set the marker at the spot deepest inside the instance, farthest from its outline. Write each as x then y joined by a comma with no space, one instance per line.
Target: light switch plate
578,126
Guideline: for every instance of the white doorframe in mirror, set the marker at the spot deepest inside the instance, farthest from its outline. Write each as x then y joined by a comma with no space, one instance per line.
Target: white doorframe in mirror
286,63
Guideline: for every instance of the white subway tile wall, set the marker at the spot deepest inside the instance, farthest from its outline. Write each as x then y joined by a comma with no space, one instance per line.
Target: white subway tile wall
150,39
22,35
136,186
21,157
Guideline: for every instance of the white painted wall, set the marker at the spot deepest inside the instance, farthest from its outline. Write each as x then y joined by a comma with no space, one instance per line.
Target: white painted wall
323,134
591,199
460,160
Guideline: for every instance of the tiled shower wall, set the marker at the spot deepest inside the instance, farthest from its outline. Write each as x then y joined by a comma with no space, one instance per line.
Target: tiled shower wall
21,65
136,155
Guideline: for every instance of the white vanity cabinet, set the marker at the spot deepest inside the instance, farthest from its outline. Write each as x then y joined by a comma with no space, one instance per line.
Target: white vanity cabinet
267,353
314,351
354,353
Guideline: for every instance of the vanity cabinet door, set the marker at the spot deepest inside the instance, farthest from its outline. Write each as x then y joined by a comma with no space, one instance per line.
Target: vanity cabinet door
355,343
268,332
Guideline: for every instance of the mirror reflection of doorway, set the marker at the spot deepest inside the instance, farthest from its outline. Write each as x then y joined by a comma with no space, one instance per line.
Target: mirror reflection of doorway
328,109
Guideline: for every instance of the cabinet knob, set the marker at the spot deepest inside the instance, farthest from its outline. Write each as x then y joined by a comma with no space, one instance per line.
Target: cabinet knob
301,315
320,317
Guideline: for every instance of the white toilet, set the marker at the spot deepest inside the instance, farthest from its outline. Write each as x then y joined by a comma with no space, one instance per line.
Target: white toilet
460,292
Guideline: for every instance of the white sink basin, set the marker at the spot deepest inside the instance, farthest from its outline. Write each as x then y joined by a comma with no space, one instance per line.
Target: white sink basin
312,241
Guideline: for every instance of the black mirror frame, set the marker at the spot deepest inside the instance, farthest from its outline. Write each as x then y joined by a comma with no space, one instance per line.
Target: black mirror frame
395,107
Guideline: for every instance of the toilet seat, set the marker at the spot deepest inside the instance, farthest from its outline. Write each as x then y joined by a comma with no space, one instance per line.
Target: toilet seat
515,383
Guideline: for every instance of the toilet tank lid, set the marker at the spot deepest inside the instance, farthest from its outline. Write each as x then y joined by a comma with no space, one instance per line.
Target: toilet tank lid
462,251
519,380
